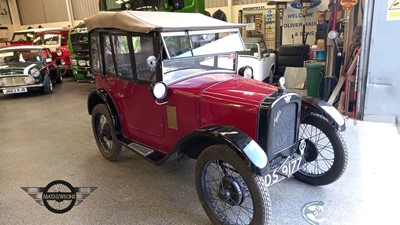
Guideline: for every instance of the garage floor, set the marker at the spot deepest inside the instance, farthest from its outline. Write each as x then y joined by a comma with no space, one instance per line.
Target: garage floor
48,137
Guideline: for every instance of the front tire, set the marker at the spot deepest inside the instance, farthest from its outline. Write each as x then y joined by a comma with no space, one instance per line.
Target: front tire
325,154
48,85
228,191
104,133
59,78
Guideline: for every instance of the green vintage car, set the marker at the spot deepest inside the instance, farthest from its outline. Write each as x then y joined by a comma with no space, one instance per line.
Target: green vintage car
24,68
79,46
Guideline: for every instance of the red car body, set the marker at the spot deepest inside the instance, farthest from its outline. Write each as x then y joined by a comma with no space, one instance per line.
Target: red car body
168,91
201,101
58,47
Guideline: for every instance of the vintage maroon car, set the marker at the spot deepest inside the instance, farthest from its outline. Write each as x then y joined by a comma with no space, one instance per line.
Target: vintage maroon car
168,87
57,41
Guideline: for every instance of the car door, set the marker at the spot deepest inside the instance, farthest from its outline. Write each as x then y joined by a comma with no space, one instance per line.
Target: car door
130,85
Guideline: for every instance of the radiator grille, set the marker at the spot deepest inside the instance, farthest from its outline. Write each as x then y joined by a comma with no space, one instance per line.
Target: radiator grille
13,81
283,127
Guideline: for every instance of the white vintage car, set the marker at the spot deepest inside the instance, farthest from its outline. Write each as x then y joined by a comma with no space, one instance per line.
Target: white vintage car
257,57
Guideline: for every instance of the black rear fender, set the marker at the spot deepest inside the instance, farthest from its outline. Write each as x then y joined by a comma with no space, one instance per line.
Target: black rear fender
102,97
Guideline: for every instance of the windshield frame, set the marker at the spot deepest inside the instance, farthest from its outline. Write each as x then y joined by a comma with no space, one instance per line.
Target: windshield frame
195,61
3,54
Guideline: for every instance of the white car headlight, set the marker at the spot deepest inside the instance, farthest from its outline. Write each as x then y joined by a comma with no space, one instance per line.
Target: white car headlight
59,52
87,62
29,80
82,62
248,73
34,72
74,62
62,62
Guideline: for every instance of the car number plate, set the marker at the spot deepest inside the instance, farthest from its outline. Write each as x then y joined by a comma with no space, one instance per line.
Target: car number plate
14,90
283,172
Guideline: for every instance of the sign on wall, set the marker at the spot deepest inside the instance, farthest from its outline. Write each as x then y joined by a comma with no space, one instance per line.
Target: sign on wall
393,12
5,17
293,21
348,4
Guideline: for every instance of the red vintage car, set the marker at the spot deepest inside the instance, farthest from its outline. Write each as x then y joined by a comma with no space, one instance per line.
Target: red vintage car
26,37
168,87
55,38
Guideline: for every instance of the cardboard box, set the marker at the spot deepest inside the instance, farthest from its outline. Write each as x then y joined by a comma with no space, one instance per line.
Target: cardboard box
320,15
320,44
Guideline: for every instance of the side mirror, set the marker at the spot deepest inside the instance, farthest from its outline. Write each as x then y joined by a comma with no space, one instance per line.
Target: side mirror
151,63
159,91
176,4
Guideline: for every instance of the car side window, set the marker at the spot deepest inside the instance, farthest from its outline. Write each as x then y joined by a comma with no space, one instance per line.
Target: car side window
143,49
122,56
108,55
95,52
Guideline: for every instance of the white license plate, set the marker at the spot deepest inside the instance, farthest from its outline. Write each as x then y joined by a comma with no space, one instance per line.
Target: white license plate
14,90
288,169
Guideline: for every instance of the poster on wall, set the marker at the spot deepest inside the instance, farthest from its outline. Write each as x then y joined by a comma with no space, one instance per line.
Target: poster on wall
293,20
5,17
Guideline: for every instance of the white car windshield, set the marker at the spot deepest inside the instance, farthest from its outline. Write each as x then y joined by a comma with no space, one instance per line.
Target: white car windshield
195,52
8,57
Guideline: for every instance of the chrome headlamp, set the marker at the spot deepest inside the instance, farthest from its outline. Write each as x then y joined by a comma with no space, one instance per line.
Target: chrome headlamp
74,62
62,62
82,62
87,62
59,52
34,72
29,80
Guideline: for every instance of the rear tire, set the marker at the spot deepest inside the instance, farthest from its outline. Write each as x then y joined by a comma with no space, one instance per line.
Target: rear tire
104,133
228,191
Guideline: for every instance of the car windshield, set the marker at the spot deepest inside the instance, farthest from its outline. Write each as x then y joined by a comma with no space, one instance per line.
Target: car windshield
47,39
191,53
20,56
23,36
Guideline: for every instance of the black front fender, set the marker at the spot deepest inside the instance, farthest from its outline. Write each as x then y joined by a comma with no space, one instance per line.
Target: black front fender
311,105
250,152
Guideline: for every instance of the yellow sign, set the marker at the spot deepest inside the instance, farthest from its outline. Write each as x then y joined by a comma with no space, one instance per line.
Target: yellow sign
393,10
348,4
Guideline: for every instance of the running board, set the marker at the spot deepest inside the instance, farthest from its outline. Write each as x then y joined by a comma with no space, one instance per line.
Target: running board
157,157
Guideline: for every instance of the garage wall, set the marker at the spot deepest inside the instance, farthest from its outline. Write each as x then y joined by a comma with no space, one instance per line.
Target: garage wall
42,11
223,3
381,77
82,9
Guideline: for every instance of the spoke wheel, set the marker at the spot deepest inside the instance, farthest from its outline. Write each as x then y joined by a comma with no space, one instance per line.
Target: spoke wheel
325,154
104,133
228,191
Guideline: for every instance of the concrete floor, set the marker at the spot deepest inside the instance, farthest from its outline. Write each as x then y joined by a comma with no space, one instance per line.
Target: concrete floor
49,137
